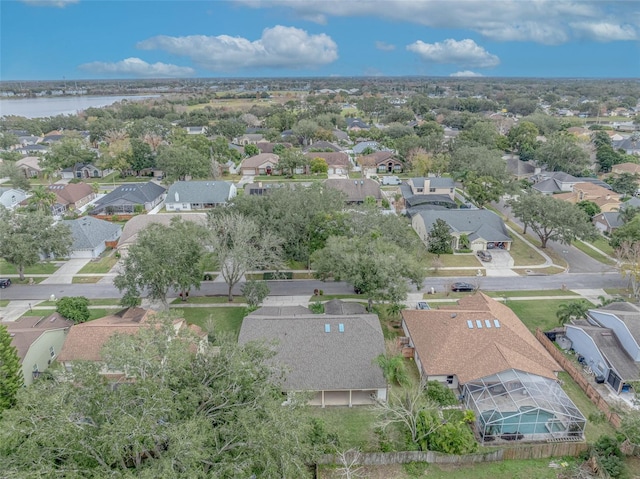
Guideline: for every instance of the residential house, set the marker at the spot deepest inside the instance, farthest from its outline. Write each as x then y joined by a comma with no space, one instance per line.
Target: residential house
30,166
356,124
504,374
248,139
70,197
631,168
606,199
607,222
629,145
261,188
483,228
608,343
136,224
267,147
84,171
338,161
38,340
199,195
32,149
549,183
428,193
11,197
363,146
518,168
322,145
356,191
331,356
382,162
91,236
195,130
262,164
86,340
129,198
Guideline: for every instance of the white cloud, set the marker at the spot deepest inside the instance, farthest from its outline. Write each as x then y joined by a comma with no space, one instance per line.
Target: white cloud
464,52
466,74
543,21
138,68
385,47
605,32
279,47
50,3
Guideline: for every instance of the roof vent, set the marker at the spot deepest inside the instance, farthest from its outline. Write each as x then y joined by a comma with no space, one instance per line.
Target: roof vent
355,182
453,315
362,182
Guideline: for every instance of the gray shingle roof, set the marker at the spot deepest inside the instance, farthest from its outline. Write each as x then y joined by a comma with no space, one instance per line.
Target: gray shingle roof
199,192
356,190
318,360
476,223
338,307
89,232
135,193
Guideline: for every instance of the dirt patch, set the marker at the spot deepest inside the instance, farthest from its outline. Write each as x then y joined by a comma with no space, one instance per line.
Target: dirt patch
392,471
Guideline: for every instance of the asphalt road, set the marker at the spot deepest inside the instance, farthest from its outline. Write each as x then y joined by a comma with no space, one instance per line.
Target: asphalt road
305,287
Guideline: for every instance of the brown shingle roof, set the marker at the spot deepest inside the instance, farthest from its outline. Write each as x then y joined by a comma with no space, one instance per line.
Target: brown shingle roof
71,193
356,190
336,158
632,168
26,330
446,345
259,160
136,224
85,341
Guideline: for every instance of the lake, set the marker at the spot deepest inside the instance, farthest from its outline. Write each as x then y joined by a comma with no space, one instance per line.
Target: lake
68,105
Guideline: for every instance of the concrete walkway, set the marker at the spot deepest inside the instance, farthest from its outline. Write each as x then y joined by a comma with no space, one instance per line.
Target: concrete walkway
65,273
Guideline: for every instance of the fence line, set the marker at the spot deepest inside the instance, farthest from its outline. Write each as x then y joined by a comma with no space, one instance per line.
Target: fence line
592,393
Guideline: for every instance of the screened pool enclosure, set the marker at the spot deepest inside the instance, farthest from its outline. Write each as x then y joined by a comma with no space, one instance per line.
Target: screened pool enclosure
514,405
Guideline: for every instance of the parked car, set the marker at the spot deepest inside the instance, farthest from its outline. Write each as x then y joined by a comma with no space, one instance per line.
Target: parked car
484,255
462,287
5,282
423,305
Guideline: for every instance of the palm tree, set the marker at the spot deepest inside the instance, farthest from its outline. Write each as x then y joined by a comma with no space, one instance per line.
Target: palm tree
573,310
42,199
394,369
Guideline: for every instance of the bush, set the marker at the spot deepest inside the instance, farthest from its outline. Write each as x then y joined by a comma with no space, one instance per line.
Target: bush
74,308
317,307
385,203
255,292
441,394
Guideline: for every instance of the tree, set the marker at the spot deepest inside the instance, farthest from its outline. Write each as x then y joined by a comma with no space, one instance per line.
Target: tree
625,183
479,160
629,231
572,310
66,153
8,169
178,162
376,267
251,150
291,160
255,292
482,133
141,155
319,165
306,129
239,246
552,219
561,153
42,199
230,129
163,257
589,207
11,380
440,238
7,140
628,255
394,369
189,410
25,237
74,308
484,189
523,137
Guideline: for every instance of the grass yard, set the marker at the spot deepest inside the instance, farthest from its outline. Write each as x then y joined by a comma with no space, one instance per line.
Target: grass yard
86,279
454,260
102,266
523,255
593,253
94,313
226,320
39,268
529,469
4,303
540,271
528,294
210,300
354,426
538,313
603,245
593,431
92,302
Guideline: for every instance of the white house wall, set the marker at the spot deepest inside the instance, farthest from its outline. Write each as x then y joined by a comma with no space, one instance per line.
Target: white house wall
622,332
39,353
584,345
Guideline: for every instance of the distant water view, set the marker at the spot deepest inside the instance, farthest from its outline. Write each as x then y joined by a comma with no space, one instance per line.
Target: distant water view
44,107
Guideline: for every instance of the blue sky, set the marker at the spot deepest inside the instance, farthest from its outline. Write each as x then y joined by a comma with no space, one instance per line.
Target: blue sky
86,39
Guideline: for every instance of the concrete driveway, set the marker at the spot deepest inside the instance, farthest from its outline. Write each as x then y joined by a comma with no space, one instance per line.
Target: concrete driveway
65,273
500,264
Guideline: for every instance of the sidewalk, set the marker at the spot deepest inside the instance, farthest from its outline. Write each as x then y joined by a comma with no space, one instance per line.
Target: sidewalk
65,273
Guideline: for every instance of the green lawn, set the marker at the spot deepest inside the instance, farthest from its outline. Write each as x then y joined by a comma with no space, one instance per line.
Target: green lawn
354,426
86,279
102,266
210,300
523,255
92,302
539,313
593,253
603,245
528,294
94,313
39,268
593,431
3,303
454,260
226,320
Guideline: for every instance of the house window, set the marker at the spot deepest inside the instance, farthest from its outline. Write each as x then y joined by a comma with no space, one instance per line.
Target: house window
419,190
432,190
450,190
449,379
52,351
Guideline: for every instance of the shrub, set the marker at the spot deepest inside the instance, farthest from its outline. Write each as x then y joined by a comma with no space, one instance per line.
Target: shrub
441,394
385,203
74,308
317,307
255,292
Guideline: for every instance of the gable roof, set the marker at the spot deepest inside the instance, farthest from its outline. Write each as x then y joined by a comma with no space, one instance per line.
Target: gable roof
133,193
317,360
267,147
199,192
89,232
356,190
338,307
85,340
334,158
32,162
71,193
27,329
612,218
633,168
258,160
447,345
140,222
475,223
322,144
378,157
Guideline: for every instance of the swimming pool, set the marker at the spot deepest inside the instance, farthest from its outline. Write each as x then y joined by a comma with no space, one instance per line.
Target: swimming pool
527,422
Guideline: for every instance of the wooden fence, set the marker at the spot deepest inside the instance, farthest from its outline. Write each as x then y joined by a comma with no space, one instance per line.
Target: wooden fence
538,451
592,393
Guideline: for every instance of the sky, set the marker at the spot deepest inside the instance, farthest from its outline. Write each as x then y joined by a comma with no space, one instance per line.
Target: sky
97,39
